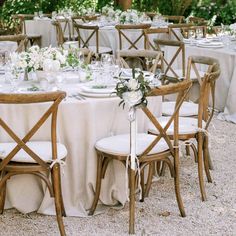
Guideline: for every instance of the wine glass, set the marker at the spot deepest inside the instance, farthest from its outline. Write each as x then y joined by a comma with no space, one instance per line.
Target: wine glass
15,76
40,14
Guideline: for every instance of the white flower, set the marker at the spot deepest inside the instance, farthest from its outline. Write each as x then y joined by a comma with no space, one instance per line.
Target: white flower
132,98
133,84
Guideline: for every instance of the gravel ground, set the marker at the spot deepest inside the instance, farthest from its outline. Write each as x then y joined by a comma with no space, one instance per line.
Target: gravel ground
159,214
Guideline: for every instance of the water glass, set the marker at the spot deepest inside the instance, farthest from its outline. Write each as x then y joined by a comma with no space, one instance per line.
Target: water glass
40,14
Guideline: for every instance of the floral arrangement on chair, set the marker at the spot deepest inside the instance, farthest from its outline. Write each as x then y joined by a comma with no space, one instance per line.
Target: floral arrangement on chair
133,91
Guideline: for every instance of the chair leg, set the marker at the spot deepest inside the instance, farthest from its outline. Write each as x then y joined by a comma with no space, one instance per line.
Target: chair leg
2,195
58,198
132,201
206,161
158,167
149,179
200,166
98,184
142,186
163,168
194,152
177,185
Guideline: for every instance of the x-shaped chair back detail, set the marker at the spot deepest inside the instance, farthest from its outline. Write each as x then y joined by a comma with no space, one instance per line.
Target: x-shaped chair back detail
177,30
149,44
181,89
62,27
132,29
148,59
180,50
207,85
84,41
55,98
20,39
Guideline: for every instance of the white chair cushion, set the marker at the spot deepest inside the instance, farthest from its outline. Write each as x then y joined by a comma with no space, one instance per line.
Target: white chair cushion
187,125
42,149
193,76
187,109
120,144
101,49
34,35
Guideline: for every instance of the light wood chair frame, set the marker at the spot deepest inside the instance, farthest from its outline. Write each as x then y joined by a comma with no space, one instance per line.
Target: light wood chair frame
207,89
180,50
9,168
153,31
61,30
122,35
150,60
173,28
84,42
146,159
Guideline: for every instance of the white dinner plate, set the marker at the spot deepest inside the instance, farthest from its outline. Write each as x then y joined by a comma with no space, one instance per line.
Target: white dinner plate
97,89
210,44
97,95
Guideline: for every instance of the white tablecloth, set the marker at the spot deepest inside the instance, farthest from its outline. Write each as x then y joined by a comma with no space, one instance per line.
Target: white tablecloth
8,46
226,84
81,124
108,35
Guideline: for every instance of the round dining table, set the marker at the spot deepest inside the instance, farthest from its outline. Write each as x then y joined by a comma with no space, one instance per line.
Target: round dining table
82,120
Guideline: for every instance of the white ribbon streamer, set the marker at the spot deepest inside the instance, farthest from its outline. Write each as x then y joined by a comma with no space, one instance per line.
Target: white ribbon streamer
60,162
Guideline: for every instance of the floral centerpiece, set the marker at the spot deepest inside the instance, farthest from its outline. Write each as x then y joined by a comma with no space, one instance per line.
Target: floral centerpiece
109,11
87,11
133,91
129,16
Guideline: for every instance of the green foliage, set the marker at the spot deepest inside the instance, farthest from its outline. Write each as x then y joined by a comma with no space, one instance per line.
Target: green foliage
225,10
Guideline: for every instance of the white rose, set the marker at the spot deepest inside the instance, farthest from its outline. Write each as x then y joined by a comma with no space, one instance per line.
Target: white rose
132,84
132,98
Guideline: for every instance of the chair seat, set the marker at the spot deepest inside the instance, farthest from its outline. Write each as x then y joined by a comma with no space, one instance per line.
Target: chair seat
187,125
42,149
120,144
193,76
187,109
101,49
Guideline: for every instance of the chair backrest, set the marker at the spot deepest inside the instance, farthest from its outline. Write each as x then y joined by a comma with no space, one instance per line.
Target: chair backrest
63,27
19,21
175,19
20,39
85,39
181,89
196,29
197,20
148,60
206,84
128,32
21,143
180,50
176,31
148,33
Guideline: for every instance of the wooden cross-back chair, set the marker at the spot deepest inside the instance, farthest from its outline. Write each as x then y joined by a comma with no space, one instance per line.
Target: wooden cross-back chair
176,32
126,33
20,28
175,19
63,30
196,127
39,158
150,149
146,60
149,44
169,71
196,28
20,39
85,38
197,20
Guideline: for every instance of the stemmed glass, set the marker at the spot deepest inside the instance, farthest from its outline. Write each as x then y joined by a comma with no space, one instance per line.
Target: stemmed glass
191,34
15,76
